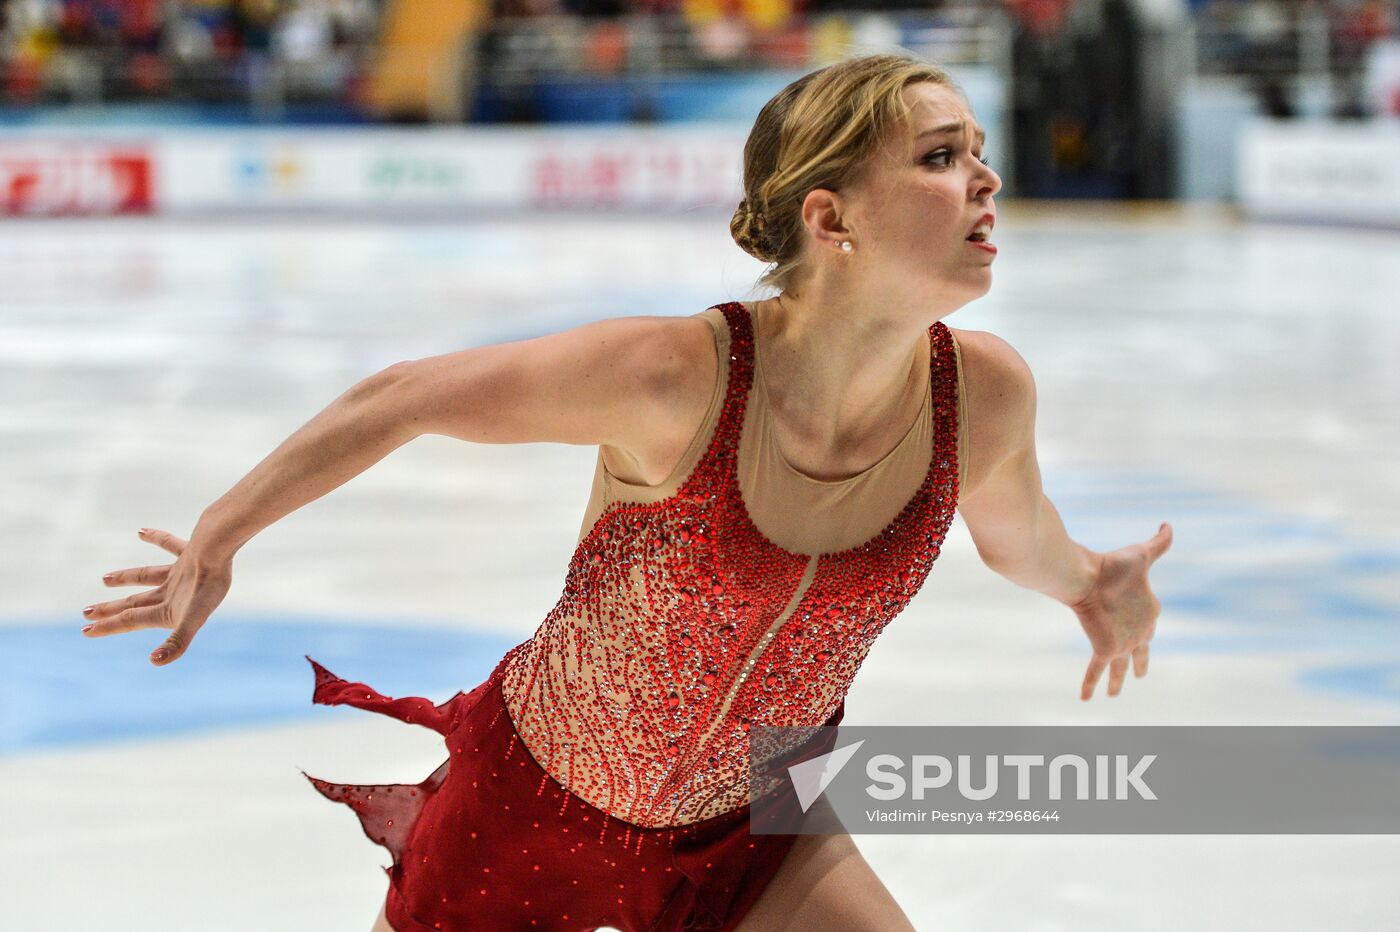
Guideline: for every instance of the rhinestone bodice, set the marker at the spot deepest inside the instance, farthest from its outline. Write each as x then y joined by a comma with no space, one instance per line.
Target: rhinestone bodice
681,626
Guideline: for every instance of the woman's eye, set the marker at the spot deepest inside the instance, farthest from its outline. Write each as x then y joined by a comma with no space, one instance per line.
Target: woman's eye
943,156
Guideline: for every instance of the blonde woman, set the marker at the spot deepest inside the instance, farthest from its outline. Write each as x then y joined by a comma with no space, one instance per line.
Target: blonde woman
774,481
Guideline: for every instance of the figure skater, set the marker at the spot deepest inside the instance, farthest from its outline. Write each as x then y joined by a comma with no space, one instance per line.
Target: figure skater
774,482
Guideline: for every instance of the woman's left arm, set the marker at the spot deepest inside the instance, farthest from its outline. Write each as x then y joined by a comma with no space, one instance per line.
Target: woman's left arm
1019,534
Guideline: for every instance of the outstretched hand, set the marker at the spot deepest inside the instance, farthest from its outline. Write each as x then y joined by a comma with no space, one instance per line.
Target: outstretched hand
1119,614
185,595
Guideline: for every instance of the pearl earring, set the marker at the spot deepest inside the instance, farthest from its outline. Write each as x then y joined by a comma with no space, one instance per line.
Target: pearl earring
845,246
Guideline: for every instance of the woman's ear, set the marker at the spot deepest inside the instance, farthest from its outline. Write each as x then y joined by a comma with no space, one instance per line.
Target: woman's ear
823,211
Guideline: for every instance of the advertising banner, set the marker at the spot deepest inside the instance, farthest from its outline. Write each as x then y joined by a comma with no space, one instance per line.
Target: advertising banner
75,177
1317,171
450,169
416,170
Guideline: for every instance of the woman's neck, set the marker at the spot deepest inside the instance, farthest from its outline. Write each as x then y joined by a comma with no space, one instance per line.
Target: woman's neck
840,384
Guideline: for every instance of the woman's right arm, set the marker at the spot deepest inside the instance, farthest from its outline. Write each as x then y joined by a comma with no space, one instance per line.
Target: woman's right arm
619,382
607,382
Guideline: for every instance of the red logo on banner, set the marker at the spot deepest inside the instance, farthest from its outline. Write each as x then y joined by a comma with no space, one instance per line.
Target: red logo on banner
78,179
596,177
664,173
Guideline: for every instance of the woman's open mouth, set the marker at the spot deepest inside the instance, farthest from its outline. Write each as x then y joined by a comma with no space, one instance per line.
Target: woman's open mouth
981,234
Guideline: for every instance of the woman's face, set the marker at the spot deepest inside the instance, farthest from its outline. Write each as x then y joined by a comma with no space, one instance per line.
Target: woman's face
921,197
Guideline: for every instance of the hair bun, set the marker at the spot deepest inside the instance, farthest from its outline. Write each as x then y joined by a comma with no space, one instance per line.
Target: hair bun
750,230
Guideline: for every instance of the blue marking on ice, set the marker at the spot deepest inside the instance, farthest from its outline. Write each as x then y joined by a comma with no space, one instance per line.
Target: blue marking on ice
61,688
1264,580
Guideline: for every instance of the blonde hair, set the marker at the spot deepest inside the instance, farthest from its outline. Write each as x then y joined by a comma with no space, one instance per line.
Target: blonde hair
817,133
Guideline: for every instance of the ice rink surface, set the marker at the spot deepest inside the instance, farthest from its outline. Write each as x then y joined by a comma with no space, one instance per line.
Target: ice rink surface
1237,380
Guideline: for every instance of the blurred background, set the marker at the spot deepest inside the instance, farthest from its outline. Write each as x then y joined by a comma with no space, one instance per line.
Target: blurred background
217,216
1104,99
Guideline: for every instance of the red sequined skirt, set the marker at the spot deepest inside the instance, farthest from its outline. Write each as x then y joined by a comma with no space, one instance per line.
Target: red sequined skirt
491,841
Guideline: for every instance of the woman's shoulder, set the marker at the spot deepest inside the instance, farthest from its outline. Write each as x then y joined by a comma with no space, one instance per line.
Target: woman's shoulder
688,357
668,358
993,366
1000,402
684,367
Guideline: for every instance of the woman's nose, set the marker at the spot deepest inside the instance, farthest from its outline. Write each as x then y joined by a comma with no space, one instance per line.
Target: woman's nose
991,184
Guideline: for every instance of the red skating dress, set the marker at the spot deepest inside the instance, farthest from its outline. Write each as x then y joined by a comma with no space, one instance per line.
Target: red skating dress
600,775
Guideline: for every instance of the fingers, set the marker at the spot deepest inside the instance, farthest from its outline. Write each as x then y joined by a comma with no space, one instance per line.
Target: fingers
131,619
151,609
1140,661
140,618
163,539
175,645
138,576
1091,677
1117,670
104,610
148,575
1158,543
